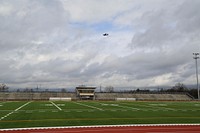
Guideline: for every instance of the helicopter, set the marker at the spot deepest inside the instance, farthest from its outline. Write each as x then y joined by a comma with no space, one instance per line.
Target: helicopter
105,34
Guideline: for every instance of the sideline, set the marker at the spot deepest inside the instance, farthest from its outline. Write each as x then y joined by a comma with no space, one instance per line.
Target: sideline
100,126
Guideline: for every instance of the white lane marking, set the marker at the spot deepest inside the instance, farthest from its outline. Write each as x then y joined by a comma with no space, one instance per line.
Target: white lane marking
97,126
14,111
56,105
88,106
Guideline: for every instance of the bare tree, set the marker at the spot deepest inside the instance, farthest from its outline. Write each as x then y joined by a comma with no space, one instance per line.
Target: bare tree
109,89
3,87
179,87
63,90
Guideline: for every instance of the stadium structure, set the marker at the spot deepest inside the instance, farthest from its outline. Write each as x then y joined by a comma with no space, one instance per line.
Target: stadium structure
88,93
85,92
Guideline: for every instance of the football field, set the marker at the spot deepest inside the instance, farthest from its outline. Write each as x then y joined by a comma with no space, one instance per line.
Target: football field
20,114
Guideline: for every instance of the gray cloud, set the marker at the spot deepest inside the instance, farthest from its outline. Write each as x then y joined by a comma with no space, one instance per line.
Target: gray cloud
29,21
169,37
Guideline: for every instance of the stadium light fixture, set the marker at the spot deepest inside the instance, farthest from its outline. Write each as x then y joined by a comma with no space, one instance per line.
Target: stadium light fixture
196,56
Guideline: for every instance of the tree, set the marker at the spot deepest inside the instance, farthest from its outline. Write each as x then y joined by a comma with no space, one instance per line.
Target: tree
63,90
3,87
138,90
109,89
179,87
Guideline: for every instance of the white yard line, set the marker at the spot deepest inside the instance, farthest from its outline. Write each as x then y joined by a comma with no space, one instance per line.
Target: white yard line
22,106
3,102
152,107
127,107
157,107
14,111
88,106
117,105
55,105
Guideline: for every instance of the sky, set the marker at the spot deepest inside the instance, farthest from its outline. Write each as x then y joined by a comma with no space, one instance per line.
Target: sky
60,43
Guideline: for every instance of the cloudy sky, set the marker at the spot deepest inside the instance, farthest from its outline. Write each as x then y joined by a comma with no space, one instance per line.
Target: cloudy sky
59,43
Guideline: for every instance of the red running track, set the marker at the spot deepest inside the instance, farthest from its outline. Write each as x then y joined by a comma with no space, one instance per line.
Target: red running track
128,129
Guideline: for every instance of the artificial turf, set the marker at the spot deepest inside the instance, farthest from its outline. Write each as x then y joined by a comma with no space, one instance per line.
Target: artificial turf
77,113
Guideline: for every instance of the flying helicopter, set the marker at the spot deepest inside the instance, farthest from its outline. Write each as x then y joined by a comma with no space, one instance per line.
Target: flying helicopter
105,34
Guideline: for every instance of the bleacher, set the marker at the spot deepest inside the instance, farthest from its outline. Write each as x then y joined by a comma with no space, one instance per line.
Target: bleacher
144,96
98,96
33,95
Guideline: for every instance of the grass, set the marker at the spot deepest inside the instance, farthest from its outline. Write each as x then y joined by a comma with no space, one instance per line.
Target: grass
59,113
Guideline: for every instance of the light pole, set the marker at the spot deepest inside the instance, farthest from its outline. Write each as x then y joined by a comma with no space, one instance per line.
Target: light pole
196,56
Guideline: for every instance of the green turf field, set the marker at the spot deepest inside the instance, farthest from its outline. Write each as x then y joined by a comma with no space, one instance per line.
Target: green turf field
60,113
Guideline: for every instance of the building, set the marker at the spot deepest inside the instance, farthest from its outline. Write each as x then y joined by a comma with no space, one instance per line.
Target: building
85,92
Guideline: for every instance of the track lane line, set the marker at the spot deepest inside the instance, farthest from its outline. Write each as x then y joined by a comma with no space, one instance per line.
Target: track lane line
159,127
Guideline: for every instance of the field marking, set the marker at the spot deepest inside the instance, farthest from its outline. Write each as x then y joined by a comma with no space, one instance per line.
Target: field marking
14,111
128,107
3,102
158,104
88,106
112,128
117,105
56,105
159,107
22,106
152,107
101,126
126,129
